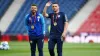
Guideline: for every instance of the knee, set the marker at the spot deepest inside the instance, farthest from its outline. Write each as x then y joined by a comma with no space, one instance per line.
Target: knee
40,49
51,49
59,51
33,49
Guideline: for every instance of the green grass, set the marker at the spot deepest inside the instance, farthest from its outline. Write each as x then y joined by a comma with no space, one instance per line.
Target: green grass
69,49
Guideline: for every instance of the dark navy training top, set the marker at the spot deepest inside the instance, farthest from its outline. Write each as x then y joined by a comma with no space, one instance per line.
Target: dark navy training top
60,19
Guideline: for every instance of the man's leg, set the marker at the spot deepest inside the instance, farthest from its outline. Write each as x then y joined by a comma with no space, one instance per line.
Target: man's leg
33,47
59,47
51,45
40,43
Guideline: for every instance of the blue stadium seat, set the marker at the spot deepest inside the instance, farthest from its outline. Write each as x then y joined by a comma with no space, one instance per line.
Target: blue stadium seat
4,4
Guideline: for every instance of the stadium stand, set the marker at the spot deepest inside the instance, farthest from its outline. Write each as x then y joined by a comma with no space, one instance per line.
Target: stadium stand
70,7
4,5
91,25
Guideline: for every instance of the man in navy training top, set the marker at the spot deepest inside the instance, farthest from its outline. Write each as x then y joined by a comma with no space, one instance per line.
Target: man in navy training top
34,22
59,25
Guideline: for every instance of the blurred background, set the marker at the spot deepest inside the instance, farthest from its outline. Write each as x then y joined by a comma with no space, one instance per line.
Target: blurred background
83,17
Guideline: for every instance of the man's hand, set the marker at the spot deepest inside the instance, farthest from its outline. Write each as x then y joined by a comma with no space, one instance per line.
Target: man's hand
48,4
63,34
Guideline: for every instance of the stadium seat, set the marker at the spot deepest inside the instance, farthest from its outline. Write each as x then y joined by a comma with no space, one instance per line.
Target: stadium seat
92,24
4,4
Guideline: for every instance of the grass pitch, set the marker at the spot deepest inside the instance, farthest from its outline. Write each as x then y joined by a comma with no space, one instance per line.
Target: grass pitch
69,49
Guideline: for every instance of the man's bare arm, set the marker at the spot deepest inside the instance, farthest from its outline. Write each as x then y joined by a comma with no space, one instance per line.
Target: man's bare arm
45,9
65,28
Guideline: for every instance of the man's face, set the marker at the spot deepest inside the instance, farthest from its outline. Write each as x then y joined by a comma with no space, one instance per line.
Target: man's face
55,7
33,9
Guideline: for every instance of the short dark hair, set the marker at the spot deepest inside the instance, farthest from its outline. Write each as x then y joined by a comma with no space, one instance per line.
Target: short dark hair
33,5
55,3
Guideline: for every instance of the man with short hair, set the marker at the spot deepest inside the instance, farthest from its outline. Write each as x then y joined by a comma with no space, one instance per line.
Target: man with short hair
59,25
34,22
